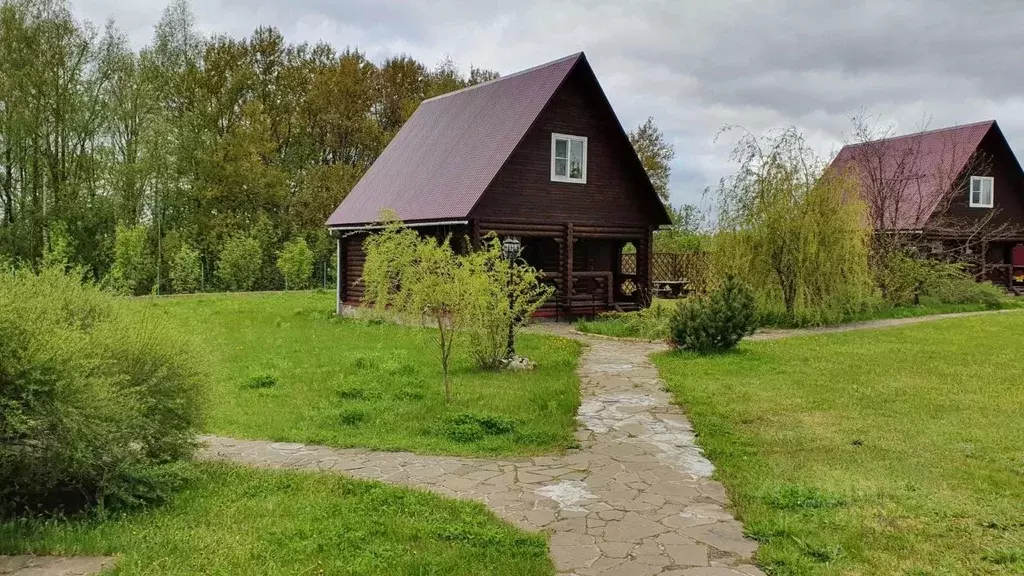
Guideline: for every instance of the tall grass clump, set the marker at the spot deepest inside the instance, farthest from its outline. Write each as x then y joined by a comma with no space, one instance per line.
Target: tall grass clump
96,406
650,323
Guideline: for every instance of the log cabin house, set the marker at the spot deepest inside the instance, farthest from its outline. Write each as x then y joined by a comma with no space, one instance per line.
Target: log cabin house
538,155
955,190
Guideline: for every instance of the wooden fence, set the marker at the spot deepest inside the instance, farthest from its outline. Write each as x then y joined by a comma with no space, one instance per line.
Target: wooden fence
688,267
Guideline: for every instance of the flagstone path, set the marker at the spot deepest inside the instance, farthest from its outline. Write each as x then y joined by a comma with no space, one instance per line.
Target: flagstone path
26,565
635,499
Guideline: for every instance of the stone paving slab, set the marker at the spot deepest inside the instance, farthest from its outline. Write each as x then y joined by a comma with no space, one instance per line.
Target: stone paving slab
636,498
27,565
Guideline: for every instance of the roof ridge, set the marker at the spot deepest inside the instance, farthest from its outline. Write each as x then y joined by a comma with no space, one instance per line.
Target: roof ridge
500,78
923,133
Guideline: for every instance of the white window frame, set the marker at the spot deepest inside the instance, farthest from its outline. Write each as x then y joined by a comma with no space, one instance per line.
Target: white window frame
982,180
568,154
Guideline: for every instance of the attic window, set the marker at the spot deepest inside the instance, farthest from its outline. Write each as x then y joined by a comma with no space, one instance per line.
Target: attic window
568,158
981,191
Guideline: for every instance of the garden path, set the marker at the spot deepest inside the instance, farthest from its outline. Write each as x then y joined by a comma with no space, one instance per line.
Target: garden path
636,498
27,565
776,334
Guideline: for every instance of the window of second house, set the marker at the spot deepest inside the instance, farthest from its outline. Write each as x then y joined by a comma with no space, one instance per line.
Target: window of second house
981,191
568,158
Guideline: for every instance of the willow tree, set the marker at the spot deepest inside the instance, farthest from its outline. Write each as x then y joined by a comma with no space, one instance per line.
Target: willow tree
795,232
420,280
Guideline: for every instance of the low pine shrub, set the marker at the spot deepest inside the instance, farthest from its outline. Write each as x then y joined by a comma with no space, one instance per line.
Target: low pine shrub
96,407
715,322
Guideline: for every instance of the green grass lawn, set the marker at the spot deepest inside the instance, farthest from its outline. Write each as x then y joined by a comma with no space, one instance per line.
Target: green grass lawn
897,451
234,520
351,383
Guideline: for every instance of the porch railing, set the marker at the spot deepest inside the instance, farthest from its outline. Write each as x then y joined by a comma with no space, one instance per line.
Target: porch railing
593,290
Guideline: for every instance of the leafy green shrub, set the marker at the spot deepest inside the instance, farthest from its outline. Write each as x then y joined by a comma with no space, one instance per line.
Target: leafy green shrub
295,261
715,322
94,404
60,248
133,269
186,270
906,279
503,296
470,427
240,262
261,381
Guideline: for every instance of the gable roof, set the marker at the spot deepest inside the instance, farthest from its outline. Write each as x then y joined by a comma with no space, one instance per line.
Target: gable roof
448,152
933,159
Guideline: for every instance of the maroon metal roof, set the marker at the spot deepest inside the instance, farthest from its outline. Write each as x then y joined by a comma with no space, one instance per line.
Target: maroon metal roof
447,153
933,158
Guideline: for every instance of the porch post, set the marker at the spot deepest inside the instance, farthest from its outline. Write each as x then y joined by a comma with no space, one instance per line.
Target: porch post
567,278
340,274
643,266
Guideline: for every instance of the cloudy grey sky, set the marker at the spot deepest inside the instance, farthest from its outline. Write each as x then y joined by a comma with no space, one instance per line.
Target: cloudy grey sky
692,65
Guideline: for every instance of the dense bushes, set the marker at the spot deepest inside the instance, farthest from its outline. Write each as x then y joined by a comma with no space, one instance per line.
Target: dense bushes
240,262
186,270
717,321
95,407
295,262
907,279
132,272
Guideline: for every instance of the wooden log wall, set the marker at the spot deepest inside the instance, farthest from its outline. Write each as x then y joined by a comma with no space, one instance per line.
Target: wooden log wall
355,257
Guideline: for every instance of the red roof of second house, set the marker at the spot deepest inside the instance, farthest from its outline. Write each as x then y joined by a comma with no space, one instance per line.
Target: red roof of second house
933,159
448,152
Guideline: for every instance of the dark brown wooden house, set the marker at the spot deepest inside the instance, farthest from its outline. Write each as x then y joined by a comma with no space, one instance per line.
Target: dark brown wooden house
538,155
959,187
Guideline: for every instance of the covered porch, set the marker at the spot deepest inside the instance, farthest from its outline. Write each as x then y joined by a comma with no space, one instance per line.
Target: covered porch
583,262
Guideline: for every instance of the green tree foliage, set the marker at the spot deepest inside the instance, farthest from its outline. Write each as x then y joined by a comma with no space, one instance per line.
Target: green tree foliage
132,272
295,262
240,261
478,295
656,154
421,280
191,137
715,322
94,404
186,271
793,232
59,251
685,234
